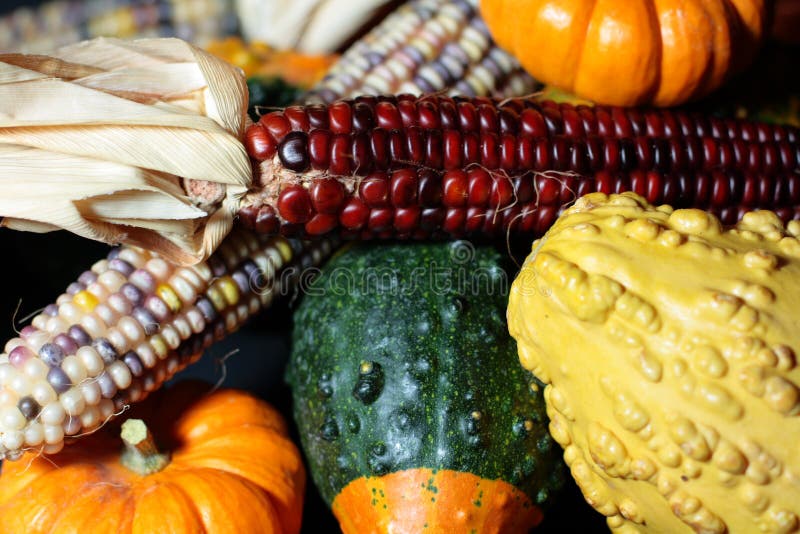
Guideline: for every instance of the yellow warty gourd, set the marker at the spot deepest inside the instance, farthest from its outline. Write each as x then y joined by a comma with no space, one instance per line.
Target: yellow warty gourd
669,346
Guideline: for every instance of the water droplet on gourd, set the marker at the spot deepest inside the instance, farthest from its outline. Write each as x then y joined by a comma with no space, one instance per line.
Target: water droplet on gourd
369,384
329,431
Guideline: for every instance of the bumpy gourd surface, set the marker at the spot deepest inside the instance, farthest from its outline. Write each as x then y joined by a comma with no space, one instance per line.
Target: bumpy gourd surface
669,345
401,359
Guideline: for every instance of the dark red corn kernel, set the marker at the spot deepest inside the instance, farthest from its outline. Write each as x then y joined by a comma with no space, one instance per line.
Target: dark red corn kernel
654,124
397,147
578,158
452,149
720,189
502,193
448,115
454,220
293,151
487,118
605,124
276,124
247,217
379,148
403,188
553,120
374,190
593,147
474,219
406,219
298,118
603,183
770,161
327,195
321,223
525,152
490,156
508,152
542,155
611,155
361,154
428,115
754,158
341,157
340,118
380,219
765,190
388,116
622,124
638,122
508,121
471,146
638,181
259,143
523,188
748,131
479,188
627,155
430,188
622,183
294,204
560,153
408,113
718,128
727,156
750,192
547,189
363,117
644,152
354,215
415,145
573,124
546,217
492,222
655,187
266,221
317,117
588,119
434,155
319,149
511,219
701,126
468,117
454,189
532,123
569,184
368,100
431,219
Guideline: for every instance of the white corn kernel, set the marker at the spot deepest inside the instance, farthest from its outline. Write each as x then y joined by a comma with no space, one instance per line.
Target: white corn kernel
74,368
120,374
34,434
43,393
53,448
132,330
90,417
91,392
11,418
53,434
36,369
13,439
53,414
72,401
112,280
91,360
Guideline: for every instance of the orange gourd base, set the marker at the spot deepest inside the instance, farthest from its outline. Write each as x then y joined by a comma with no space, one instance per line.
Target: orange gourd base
428,500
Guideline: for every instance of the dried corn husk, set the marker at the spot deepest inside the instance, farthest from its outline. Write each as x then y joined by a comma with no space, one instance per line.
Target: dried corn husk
97,138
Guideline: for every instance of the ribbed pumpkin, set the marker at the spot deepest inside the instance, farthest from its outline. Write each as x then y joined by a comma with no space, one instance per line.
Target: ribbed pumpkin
661,52
230,468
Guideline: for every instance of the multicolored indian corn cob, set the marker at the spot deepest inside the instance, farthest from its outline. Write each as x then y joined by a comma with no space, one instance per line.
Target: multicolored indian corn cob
406,166
425,46
127,325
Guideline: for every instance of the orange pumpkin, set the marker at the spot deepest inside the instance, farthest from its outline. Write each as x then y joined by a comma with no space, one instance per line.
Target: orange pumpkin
230,468
661,52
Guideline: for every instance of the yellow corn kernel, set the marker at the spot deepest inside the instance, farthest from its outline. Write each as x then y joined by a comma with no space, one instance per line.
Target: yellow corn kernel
216,297
169,297
159,345
85,301
229,290
285,249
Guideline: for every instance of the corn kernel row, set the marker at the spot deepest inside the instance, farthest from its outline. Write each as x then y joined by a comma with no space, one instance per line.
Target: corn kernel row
58,23
425,46
128,324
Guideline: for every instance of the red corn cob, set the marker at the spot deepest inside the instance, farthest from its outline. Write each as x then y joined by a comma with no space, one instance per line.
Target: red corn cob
432,166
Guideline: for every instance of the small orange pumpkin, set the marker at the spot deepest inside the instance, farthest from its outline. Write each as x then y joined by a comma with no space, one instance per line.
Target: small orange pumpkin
231,468
661,52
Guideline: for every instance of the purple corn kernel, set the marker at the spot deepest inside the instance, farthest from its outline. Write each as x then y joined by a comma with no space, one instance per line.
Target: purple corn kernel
146,319
19,355
51,354
132,293
66,343
121,266
79,335
105,349
134,363
59,380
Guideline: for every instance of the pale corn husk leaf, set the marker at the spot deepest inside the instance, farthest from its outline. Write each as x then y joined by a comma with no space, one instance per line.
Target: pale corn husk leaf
97,137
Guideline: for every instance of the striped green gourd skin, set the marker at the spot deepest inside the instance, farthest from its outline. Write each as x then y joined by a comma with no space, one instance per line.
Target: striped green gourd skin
386,379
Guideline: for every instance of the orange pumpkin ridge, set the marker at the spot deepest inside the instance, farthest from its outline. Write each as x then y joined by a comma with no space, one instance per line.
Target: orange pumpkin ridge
430,500
232,468
658,52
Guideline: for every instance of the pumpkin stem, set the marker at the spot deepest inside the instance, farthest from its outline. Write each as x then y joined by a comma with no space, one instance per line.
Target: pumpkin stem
141,454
